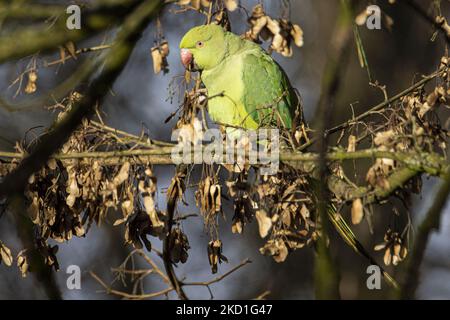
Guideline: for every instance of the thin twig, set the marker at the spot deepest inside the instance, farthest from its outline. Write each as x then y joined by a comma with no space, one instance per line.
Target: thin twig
77,52
109,290
219,278
431,19
385,103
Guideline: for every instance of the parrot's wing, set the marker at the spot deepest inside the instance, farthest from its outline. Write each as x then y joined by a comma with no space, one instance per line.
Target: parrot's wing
268,96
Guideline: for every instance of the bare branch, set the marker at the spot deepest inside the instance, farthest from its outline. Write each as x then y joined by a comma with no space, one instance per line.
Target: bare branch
130,32
429,224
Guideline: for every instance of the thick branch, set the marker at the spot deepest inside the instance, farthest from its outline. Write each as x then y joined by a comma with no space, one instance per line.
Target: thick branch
130,32
429,163
27,11
428,225
348,192
32,39
326,273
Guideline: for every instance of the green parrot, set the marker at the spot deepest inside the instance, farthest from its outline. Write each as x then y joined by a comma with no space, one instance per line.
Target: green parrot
249,90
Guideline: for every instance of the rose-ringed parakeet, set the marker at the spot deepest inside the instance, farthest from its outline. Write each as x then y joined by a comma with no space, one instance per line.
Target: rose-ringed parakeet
249,90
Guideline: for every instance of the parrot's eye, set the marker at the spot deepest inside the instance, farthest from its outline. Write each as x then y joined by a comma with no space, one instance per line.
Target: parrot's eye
199,44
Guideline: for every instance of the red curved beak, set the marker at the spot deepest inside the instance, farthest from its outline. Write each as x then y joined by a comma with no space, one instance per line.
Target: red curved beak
186,57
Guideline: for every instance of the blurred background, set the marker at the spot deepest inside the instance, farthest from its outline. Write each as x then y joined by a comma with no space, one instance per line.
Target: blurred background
143,100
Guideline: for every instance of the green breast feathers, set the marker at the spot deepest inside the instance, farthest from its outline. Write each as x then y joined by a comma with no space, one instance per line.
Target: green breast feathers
249,90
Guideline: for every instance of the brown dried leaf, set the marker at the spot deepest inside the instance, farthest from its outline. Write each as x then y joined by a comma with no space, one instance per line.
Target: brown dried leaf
361,18
164,49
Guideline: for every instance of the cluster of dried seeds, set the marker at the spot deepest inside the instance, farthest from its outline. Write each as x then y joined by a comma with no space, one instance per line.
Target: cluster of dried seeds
209,199
31,86
68,194
394,246
230,5
282,207
281,32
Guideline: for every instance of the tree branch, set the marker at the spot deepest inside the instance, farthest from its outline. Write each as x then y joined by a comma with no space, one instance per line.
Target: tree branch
325,272
435,21
385,103
115,61
428,225
32,39
429,163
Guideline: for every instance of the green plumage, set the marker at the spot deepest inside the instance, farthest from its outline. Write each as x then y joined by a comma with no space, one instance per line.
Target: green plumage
247,87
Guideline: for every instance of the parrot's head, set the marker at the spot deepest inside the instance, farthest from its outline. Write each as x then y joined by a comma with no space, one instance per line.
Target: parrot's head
203,47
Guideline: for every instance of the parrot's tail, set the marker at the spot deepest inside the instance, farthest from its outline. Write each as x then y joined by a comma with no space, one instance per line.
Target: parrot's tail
349,237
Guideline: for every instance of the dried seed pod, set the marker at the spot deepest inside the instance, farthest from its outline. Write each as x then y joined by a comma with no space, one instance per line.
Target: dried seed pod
196,4
5,255
157,60
22,263
231,5
215,255
165,48
71,49
179,246
264,223
258,11
351,143
148,189
31,84
361,18
297,35
257,21
395,249
442,21
357,211
275,248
